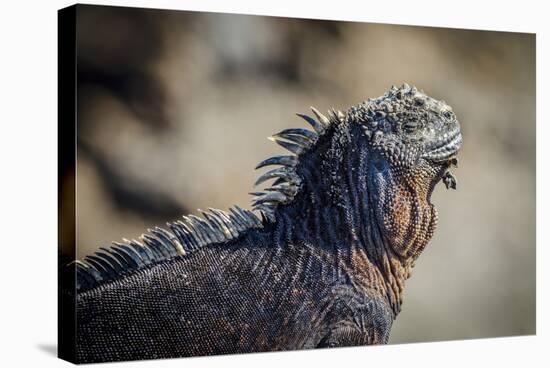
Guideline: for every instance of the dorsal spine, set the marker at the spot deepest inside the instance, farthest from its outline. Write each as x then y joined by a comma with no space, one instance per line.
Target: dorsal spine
216,226
159,244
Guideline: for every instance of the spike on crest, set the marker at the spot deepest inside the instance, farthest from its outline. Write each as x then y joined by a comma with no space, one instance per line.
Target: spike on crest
278,160
292,147
295,138
318,127
281,172
320,117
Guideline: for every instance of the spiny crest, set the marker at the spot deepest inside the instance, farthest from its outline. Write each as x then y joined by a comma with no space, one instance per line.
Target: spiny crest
287,183
186,235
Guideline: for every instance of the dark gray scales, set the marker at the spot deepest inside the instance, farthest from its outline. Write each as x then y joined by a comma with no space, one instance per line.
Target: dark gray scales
323,265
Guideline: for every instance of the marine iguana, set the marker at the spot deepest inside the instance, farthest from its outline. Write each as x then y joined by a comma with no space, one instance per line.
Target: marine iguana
322,265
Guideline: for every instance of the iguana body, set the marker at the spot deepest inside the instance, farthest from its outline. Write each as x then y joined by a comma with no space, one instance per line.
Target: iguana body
341,228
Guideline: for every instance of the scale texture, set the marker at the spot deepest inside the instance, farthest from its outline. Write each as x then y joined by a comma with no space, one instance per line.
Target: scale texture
321,262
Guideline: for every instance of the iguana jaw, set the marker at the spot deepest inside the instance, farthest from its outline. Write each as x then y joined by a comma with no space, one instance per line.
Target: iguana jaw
444,174
446,149
446,154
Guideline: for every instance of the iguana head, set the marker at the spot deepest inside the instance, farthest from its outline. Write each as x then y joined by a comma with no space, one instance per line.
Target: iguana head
410,130
412,140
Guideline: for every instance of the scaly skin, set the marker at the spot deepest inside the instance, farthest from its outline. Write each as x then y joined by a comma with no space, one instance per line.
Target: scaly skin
341,228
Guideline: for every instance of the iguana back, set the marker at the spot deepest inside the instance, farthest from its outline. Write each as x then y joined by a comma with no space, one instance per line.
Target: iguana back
324,265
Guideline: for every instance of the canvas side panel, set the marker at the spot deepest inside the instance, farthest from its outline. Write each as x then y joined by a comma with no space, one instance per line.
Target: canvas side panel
66,51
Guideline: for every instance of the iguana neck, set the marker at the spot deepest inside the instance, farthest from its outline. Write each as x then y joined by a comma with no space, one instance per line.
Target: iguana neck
343,209
357,245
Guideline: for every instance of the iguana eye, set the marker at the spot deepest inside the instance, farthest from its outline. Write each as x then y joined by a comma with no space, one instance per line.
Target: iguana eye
448,114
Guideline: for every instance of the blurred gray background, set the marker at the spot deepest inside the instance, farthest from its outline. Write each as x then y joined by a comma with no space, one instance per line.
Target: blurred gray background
174,109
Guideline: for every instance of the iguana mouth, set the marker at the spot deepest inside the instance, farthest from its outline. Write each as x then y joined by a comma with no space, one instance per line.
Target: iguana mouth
445,148
444,152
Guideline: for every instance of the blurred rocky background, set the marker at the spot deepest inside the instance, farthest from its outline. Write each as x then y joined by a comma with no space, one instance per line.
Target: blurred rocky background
174,109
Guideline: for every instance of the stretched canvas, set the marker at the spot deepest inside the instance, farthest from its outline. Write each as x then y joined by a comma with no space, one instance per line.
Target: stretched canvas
395,202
